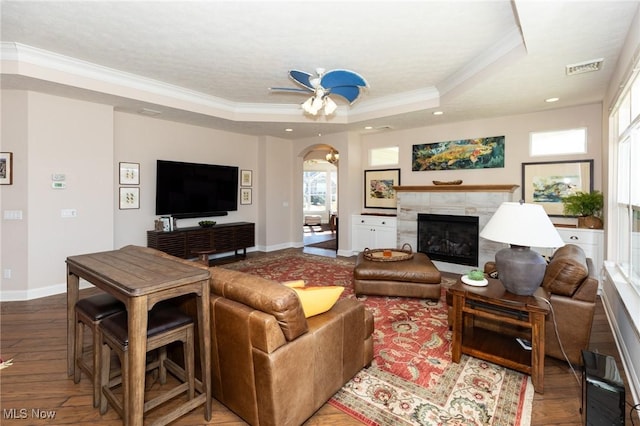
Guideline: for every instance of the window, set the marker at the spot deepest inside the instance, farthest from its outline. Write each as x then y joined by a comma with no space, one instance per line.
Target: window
383,156
625,125
572,141
320,192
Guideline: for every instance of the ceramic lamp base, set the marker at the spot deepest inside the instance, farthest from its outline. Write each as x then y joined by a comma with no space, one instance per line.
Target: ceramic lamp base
520,269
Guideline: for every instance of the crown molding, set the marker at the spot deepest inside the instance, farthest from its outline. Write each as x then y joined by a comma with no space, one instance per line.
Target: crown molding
31,62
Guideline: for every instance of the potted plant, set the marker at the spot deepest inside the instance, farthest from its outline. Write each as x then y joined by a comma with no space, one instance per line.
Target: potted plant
587,206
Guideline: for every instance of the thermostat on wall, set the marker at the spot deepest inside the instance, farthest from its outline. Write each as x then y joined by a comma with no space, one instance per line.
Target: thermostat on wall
58,185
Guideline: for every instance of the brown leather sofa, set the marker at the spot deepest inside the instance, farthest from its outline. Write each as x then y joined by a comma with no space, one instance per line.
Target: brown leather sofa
571,283
270,364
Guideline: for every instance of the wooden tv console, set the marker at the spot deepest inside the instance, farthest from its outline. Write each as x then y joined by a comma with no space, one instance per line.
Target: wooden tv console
186,242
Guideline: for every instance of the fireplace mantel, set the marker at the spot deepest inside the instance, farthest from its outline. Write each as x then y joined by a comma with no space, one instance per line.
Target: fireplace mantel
457,188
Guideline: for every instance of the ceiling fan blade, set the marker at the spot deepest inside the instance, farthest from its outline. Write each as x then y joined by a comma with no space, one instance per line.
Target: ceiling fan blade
350,93
302,78
335,78
288,89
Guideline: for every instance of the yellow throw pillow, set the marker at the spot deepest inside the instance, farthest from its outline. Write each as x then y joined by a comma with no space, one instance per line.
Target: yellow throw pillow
294,284
316,300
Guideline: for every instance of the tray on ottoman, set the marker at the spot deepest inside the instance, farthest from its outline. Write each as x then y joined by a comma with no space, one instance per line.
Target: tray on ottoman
389,255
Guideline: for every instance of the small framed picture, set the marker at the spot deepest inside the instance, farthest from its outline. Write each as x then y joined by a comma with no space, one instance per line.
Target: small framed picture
378,188
6,168
245,196
246,178
129,174
129,198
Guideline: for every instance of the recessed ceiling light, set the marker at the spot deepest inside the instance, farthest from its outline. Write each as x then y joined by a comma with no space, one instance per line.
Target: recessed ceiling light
288,130
551,100
438,112
368,127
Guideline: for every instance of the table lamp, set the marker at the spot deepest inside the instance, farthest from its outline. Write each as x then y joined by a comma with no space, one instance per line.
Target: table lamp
521,225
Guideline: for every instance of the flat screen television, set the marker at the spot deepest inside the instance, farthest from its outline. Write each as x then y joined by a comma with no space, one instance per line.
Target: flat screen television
187,190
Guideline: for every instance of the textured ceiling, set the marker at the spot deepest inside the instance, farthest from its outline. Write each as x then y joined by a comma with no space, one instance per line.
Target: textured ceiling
211,63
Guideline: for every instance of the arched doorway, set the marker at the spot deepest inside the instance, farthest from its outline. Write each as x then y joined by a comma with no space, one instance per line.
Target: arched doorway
320,200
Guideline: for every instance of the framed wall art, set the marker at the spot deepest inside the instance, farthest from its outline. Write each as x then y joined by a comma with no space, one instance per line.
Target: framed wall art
378,188
546,183
478,153
245,196
246,178
129,198
6,168
129,174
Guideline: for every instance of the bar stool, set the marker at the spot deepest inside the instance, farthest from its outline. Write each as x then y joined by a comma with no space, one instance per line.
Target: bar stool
90,311
166,324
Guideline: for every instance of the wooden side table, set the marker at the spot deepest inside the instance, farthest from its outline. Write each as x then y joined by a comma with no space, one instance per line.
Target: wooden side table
495,303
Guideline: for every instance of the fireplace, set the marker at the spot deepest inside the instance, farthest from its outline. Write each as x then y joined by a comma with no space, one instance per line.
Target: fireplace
449,238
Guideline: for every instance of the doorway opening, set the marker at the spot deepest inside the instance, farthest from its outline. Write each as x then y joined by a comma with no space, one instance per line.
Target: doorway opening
320,203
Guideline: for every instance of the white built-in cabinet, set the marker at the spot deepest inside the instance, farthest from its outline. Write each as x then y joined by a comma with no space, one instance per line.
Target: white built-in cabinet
590,240
369,231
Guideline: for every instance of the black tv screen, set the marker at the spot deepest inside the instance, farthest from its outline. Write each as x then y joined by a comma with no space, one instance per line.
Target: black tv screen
195,190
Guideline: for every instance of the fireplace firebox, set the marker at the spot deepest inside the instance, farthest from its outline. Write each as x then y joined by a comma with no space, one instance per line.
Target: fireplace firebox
449,238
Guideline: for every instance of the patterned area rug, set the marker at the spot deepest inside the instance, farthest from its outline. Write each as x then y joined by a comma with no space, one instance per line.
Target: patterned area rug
412,380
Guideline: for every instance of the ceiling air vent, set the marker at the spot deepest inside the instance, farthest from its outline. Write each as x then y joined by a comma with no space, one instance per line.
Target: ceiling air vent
582,67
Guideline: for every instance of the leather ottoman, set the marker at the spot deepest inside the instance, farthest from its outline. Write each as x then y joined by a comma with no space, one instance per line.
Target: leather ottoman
415,277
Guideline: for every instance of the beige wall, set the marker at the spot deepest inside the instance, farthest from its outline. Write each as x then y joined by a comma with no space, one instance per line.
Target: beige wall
516,130
54,135
140,139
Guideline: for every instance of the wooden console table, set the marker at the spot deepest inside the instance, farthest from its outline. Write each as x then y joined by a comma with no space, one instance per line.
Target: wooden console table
494,303
185,242
140,279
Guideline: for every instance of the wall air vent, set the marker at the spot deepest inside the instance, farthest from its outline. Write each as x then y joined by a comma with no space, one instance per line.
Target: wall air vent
582,67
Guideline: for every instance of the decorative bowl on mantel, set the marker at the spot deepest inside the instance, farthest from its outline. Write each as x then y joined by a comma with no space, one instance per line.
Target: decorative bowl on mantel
450,182
207,223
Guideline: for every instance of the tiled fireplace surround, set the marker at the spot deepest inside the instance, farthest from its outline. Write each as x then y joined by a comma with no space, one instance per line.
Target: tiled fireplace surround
459,200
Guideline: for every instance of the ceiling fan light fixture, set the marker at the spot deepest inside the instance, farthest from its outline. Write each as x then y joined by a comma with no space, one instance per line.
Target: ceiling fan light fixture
329,106
308,107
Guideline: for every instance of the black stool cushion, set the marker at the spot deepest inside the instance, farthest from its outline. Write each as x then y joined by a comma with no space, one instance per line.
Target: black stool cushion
99,306
162,318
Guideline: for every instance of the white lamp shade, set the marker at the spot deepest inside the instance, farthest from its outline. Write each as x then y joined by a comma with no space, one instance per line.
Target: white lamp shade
522,224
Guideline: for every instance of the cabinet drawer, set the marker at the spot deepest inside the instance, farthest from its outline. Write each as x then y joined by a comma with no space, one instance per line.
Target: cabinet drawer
580,236
374,221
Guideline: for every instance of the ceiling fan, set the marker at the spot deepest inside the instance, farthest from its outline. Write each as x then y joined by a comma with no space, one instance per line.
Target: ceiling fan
344,83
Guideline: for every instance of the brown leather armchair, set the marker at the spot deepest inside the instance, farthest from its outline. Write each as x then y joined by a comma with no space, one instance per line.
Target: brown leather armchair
270,364
571,283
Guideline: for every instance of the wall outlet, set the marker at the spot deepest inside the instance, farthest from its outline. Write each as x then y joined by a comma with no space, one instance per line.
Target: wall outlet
6,274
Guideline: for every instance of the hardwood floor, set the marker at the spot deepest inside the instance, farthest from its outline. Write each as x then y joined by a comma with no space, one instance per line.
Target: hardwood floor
37,387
